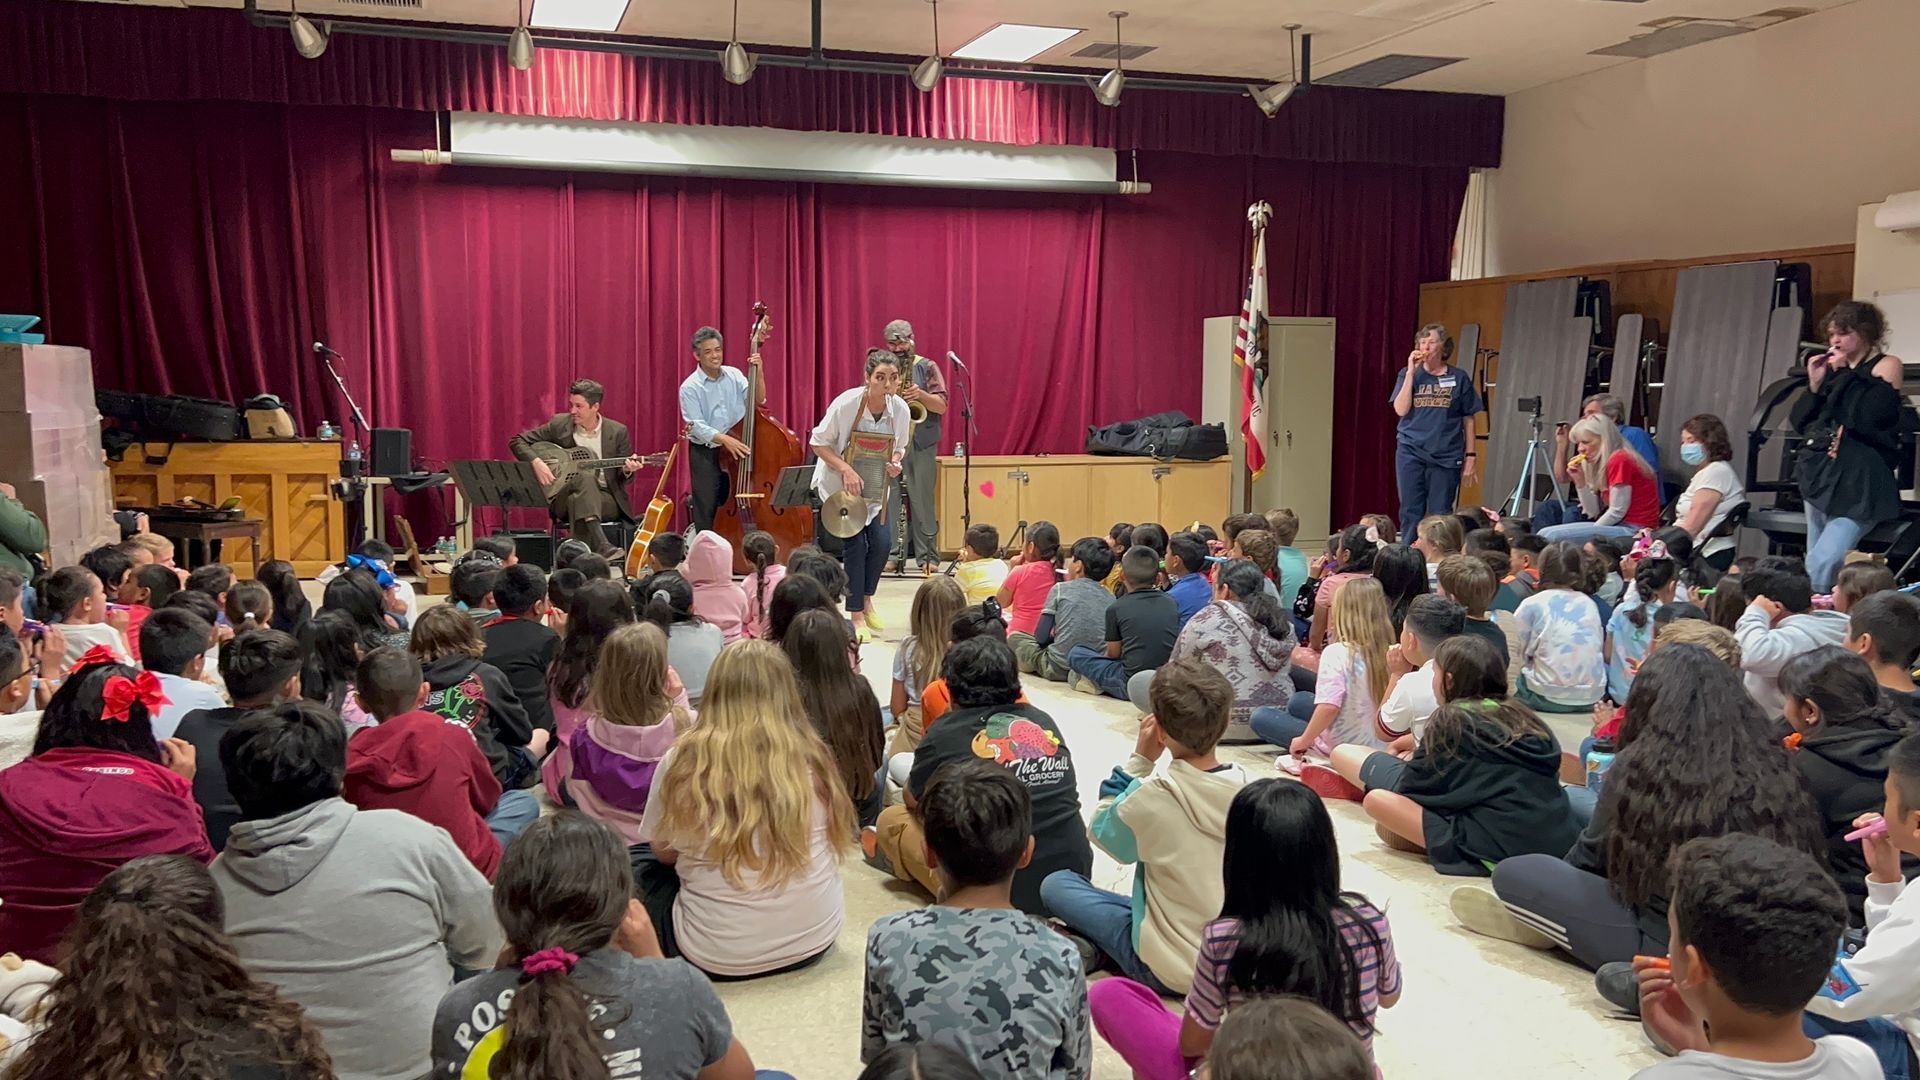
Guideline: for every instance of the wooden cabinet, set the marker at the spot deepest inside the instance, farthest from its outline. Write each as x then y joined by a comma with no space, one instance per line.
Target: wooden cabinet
1299,415
1080,494
281,482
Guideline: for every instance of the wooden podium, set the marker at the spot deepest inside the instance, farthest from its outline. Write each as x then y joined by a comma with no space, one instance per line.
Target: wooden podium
283,483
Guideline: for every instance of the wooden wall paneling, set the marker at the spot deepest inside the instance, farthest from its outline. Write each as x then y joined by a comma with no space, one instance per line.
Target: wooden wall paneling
282,483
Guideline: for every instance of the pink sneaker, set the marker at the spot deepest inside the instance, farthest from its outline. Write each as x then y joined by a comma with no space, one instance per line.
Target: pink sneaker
1329,784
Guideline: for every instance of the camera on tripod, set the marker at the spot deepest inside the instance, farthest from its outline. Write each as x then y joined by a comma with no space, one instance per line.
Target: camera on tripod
1529,405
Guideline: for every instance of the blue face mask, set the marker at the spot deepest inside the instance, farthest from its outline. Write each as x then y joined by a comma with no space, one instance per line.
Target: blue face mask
1693,453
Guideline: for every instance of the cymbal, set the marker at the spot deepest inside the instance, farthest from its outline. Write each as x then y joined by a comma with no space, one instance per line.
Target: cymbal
843,515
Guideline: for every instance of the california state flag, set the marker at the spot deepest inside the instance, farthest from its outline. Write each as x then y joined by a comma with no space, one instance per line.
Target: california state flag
1250,347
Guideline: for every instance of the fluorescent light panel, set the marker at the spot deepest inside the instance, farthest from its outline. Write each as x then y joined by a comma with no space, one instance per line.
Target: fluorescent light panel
1014,43
578,14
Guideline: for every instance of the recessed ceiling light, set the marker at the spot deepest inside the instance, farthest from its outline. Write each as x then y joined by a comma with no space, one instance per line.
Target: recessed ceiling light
1014,43
578,14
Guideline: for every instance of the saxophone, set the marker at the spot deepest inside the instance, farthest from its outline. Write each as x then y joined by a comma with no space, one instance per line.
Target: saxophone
915,410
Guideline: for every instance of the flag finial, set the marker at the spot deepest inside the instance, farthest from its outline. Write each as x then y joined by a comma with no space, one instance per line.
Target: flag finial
1259,214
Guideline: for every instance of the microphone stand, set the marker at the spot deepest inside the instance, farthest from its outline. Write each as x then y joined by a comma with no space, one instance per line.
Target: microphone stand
964,384
353,485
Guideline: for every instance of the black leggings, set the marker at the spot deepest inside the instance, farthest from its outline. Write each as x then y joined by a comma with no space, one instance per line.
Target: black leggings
1576,909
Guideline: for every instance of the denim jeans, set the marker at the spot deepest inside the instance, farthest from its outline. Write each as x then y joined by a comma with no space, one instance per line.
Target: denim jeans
1886,1039
1276,725
1102,670
512,814
1579,532
1102,917
865,556
1828,541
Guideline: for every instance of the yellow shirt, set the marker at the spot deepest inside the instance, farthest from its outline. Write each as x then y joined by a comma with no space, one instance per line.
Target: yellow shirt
981,578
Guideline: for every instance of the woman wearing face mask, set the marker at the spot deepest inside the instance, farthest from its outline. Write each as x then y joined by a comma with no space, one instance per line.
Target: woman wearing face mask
1850,419
1715,490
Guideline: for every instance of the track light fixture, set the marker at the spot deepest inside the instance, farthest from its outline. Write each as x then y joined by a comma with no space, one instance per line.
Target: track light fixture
520,49
309,40
1270,98
926,74
1107,88
735,62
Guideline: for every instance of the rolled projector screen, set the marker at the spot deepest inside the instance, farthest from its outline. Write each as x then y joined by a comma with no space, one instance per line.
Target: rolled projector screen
1899,213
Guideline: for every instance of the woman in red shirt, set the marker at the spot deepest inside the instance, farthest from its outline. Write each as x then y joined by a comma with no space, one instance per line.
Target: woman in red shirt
1617,488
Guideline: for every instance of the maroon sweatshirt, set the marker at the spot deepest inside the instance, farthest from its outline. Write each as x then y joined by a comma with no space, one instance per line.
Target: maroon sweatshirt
431,768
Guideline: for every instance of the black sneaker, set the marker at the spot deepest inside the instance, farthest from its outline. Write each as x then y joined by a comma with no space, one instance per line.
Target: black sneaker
1091,959
1619,986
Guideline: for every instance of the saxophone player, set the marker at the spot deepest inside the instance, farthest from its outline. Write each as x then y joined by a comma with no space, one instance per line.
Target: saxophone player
924,388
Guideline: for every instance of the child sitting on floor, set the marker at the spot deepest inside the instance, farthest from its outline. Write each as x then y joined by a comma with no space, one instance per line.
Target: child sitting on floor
1141,627
474,695
1562,660
1522,578
1656,578
471,589
1467,581
1290,562
1187,574
1440,535
1075,613
978,821
716,597
916,663
260,669
1285,927
75,602
1344,704
1884,629
1285,1036
518,641
1754,927
1858,580
762,552
1035,572
979,569
1171,823
610,760
1779,624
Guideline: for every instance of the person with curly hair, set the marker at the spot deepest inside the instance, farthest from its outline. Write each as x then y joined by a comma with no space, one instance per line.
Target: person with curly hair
157,924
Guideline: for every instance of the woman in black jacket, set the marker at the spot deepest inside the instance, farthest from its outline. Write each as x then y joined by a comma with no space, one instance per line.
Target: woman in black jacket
1844,728
1850,418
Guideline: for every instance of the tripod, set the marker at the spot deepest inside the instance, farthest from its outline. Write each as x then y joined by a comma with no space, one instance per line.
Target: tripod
1537,460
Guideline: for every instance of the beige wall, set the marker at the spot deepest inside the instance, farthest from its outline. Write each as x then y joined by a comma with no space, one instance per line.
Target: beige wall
1767,140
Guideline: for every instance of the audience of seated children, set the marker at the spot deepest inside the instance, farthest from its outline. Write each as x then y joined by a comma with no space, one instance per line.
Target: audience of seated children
1779,624
598,609
982,620
840,705
414,761
1245,635
1884,629
1468,581
1141,627
1874,994
1285,927
1032,577
716,597
466,691
1075,613
96,791
979,568
359,916
1440,535
1350,556
1412,684
249,607
916,662
924,966
747,823
1456,674
990,721
587,989
291,609
470,587
74,602
1170,824
1844,730
1562,658
1656,578
768,573
173,645
809,561
519,643
607,764
1858,580
358,594
112,564
1186,566
1523,552
333,655
1753,931
1284,1035
1483,784
261,669
666,551
1687,728
377,558
1344,705
692,642
157,923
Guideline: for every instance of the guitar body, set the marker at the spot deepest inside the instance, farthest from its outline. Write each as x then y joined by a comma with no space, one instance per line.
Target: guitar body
772,446
568,462
659,515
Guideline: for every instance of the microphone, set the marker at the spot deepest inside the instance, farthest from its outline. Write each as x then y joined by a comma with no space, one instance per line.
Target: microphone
955,357
322,349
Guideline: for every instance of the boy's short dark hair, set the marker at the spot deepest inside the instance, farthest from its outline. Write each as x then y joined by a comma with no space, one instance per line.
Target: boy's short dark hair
1094,556
1284,524
669,550
591,567
378,550
977,818
562,585
570,549
824,569
1140,566
255,665
1858,580
63,590
518,588
1190,550
1903,765
284,758
214,579
1767,919
388,682
1782,580
109,564
13,661
981,671
197,602
983,540
159,581
171,639
1531,543
1470,581
472,580
1235,524
1482,541
1260,548
1893,618
1151,535
11,586
1192,703
500,547
1433,619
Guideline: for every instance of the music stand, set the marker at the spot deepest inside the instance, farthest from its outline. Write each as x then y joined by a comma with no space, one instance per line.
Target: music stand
503,485
794,488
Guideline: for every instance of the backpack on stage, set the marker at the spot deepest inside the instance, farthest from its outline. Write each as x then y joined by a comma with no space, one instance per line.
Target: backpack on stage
1165,435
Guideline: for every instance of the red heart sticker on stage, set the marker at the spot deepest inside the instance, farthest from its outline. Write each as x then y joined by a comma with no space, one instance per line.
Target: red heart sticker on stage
986,489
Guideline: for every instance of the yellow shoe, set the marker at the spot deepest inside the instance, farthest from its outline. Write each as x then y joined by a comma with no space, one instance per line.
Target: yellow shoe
873,622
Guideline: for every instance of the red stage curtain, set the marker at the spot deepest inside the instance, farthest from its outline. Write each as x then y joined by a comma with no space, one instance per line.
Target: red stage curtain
156,54
201,248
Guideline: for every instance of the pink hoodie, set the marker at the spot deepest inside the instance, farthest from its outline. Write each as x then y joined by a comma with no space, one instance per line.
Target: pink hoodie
752,586
716,598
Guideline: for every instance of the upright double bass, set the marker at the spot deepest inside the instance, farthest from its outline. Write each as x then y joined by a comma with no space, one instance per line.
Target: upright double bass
771,447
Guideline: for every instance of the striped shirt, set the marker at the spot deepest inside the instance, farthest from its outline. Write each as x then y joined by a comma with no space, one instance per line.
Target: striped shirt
1211,995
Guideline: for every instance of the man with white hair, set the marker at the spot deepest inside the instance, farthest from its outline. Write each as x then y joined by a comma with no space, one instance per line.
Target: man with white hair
920,384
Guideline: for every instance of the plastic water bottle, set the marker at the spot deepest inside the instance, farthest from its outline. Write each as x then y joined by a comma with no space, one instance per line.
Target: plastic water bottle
327,430
353,451
1599,760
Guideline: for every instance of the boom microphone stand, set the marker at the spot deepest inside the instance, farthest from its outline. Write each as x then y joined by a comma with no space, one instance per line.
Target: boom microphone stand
966,451
352,485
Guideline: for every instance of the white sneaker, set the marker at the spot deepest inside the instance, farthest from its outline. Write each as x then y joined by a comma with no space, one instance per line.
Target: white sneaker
1480,911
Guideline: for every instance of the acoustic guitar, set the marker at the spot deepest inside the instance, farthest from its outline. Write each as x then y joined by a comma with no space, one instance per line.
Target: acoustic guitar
659,513
568,462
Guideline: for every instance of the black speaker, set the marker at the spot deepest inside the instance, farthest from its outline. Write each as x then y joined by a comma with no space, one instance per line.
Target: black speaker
533,546
392,452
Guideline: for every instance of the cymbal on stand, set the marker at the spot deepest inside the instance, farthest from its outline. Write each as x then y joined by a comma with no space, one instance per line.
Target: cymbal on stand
843,515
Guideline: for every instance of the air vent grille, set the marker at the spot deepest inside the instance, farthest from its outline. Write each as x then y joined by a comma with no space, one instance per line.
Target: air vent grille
1107,50
1387,70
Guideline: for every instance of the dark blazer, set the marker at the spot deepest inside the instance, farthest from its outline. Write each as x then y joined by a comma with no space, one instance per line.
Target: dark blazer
614,443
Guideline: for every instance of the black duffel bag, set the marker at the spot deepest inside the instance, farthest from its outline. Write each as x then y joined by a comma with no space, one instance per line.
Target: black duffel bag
1166,435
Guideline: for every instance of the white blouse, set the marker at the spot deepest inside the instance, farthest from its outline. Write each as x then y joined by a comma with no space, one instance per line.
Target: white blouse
848,414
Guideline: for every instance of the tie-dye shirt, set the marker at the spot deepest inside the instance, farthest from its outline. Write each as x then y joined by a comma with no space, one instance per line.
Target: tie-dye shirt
1562,652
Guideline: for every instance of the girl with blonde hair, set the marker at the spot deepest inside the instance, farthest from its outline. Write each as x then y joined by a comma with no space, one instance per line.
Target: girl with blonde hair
917,662
1352,684
1617,488
607,767
749,809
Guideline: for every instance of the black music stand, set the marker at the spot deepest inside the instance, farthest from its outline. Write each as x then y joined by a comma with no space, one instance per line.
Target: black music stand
503,485
794,488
